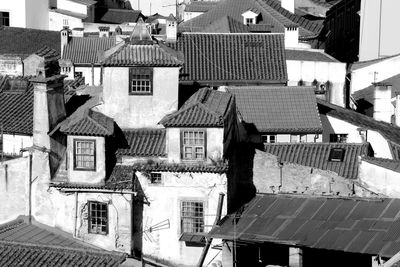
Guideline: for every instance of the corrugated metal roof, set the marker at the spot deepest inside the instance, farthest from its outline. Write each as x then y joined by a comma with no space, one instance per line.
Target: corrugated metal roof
279,109
286,224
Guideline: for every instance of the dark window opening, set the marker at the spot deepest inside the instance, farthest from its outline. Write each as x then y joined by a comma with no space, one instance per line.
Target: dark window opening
336,154
155,178
4,18
140,81
192,217
98,217
338,138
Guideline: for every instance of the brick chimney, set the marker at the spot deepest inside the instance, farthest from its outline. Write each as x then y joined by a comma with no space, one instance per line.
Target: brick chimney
288,5
382,102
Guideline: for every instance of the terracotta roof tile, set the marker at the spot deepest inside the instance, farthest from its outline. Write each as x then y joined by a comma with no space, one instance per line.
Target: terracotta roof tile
239,58
279,109
316,155
47,53
341,224
200,6
119,16
24,42
226,24
205,108
308,55
144,143
85,50
90,124
175,167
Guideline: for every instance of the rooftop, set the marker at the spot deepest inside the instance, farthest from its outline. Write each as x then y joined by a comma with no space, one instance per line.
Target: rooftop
308,55
200,6
69,13
367,63
119,16
367,226
317,155
368,92
205,108
278,109
85,50
233,58
24,244
144,143
23,42
389,164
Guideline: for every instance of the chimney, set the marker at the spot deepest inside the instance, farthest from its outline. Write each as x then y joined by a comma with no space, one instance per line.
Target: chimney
171,29
65,38
77,32
397,111
291,36
382,102
288,5
104,31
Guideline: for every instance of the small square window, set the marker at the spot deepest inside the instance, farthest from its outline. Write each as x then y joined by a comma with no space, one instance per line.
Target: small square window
336,154
249,21
4,18
303,138
269,138
155,178
98,217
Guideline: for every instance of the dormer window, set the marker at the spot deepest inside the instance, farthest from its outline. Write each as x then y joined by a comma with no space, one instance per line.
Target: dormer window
249,21
193,144
140,81
249,17
336,154
85,155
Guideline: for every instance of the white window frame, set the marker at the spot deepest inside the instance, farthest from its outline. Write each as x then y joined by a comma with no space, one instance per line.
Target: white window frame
189,141
192,220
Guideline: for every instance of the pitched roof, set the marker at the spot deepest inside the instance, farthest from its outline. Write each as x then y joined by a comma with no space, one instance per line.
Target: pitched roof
367,63
205,108
119,16
308,55
389,164
85,50
85,2
24,244
131,54
200,6
368,92
367,226
178,167
16,105
47,53
389,131
271,14
226,24
144,143
237,58
69,13
279,109
24,42
316,155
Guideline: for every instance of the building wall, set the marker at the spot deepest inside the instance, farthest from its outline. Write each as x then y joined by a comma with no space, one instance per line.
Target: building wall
57,21
31,64
91,74
12,144
378,23
138,111
310,138
308,71
37,14
83,176
190,15
150,7
72,6
10,65
13,188
164,206
214,142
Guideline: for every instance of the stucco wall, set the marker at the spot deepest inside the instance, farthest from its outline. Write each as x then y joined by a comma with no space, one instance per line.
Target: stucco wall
31,65
310,138
14,143
88,72
37,14
56,21
72,6
83,176
17,10
13,188
380,180
214,142
138,111
150,7
10,65
308,71
164,205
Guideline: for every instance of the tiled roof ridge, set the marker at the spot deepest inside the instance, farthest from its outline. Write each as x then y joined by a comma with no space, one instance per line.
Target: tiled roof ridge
220,167
356,65
11,225
317,143
88,115
320,196
235,33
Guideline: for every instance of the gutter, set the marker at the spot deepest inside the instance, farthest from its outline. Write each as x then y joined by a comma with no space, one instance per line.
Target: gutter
84,190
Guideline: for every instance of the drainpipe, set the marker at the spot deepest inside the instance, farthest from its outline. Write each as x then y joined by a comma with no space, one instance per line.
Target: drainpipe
209,239
76,213
92,74
30,190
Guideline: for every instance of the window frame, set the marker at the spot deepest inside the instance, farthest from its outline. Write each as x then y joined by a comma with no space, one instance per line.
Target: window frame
338,138
158,181
75,140
193,218
269,138
106,225
182,146
249,21
141,71
333,154
4,18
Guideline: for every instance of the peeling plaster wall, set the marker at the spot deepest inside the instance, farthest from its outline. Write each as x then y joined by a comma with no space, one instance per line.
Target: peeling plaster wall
57,21
11,65
13,188
164,204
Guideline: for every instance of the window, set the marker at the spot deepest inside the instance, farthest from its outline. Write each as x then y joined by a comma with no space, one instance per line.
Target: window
140,81
269,138
303,138
4,18
65,22
193,145
249,21
85,154
98,218
294,138
155,178
336,154
338,138
192,217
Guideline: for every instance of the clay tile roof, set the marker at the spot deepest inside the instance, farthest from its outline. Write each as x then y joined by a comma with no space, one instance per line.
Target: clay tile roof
389,131
316,155
144,143
143,55
85,50
238,58
389,164
362,226
119,16
177,167
24,42
308,55
200,6
47,53
205,108
24,244
226,24
16,106
271,13
85,2
279,109
368,92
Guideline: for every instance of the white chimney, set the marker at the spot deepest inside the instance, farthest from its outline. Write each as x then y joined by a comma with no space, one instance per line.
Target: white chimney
104,31
382,102
288,5
397,111
291,36
171,28
65,37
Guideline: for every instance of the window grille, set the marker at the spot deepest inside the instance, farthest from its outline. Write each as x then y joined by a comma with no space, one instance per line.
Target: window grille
193,145
192,217
98,218
85,154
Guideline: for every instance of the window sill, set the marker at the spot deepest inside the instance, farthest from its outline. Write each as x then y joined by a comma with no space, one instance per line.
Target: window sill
82,169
